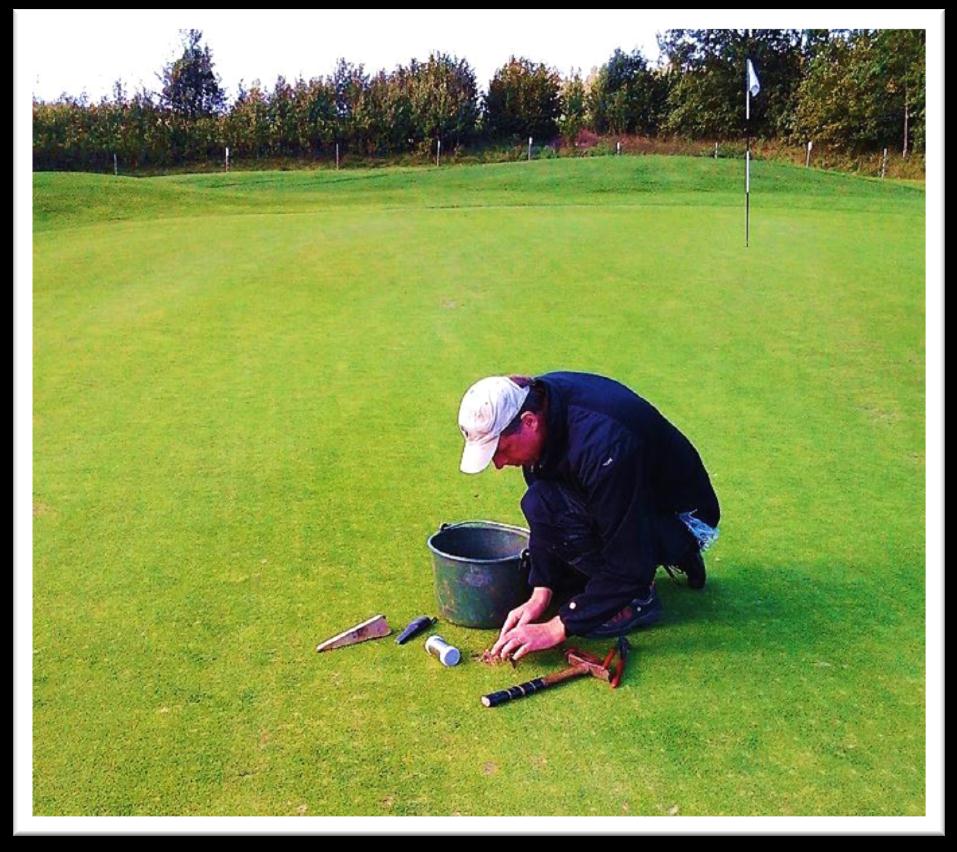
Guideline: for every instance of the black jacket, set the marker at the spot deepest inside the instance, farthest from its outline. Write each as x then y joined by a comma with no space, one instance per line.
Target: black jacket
623,472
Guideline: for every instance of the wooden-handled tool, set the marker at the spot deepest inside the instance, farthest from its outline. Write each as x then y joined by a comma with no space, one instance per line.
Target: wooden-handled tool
579,665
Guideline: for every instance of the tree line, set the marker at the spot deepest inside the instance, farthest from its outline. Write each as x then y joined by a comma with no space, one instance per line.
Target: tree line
860,90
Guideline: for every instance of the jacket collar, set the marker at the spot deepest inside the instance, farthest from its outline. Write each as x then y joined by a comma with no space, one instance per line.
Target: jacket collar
556,437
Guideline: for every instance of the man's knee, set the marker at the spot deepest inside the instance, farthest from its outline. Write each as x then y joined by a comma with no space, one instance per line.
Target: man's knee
558,520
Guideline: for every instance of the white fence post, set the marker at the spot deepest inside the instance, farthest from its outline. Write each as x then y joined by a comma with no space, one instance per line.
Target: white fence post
337,156
807,162
116,170
884,165
529,148
227,159
716,150
438,152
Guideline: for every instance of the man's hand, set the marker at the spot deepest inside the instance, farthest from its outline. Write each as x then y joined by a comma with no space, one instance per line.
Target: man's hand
528,611
524,638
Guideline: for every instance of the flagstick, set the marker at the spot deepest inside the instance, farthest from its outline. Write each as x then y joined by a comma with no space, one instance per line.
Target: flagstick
747,195
747,179
747,162
747,155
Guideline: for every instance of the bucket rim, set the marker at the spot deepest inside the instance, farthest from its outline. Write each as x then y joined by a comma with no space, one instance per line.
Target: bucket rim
485,524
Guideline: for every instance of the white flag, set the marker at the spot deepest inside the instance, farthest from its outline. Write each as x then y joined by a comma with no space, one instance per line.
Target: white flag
753,85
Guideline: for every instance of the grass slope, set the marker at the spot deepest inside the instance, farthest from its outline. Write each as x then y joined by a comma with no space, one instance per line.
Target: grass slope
626,181
245,390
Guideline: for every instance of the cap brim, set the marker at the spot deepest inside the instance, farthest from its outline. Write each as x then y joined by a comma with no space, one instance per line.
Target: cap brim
478,454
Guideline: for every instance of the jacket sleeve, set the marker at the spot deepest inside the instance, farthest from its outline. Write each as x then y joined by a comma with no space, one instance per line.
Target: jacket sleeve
546,569
617,499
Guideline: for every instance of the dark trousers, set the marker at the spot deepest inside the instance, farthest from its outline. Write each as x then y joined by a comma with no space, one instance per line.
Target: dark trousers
558,519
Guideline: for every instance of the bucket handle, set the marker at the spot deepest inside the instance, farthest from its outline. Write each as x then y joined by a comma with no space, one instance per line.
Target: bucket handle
525,558
443,527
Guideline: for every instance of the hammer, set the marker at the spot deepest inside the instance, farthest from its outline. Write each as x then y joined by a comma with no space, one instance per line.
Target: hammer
579,665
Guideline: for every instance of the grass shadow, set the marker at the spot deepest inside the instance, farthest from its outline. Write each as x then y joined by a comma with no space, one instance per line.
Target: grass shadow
786,607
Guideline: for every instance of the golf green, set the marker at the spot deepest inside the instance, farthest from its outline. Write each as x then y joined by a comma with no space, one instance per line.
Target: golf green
245,393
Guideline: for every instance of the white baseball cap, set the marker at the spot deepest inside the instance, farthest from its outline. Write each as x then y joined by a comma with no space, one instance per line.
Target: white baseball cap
487,408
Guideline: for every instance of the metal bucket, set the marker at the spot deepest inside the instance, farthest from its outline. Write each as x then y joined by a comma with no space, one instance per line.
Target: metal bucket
481,571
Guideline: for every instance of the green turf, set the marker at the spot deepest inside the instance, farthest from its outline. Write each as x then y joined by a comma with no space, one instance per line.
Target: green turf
245,391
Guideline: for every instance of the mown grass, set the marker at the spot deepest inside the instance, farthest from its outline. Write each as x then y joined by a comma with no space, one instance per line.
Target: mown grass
245,390
627,181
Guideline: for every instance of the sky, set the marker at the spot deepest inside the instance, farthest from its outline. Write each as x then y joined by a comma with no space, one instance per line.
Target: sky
88,50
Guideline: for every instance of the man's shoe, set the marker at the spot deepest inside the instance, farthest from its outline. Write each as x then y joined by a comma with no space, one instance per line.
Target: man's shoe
641,612
693,568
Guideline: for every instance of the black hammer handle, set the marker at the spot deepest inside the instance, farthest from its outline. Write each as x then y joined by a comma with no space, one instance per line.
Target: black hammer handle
495,698
531,687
